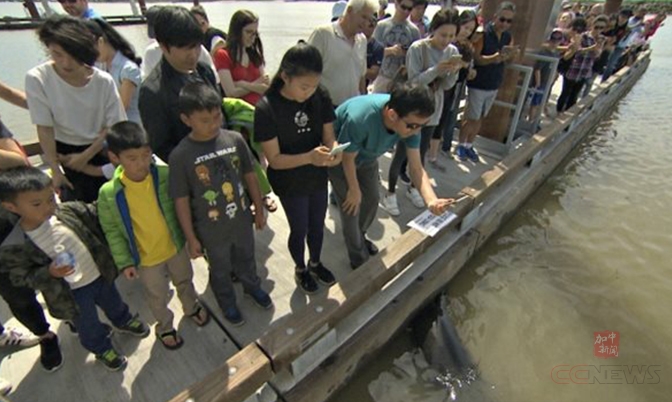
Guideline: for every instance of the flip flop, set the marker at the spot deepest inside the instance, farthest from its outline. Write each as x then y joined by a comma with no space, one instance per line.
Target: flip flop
178,340
198,319
269,204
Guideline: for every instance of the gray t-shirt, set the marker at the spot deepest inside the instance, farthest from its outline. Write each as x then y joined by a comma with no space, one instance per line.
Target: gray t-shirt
211,173
390,33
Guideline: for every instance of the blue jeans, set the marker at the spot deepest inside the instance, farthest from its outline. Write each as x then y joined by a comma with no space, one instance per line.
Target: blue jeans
305,215
93,335
612,63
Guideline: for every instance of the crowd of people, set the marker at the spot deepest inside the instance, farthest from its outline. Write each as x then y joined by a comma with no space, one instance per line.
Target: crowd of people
175,155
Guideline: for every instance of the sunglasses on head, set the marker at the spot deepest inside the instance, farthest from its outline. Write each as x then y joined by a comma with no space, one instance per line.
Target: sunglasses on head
505,20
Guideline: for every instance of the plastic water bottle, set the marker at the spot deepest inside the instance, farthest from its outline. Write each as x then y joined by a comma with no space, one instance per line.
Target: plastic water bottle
66,258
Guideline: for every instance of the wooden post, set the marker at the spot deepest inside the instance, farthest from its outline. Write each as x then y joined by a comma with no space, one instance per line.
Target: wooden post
143,6
32,9
532,16
612,6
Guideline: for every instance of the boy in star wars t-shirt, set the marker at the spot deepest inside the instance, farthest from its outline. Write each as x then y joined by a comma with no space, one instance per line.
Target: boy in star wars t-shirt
210,171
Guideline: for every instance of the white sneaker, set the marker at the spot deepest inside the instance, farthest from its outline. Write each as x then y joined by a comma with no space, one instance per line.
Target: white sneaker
12,337
414,195
5,387
390,204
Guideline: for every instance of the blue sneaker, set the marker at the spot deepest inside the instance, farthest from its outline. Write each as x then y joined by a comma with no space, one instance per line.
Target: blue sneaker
473,156
233,316
261,298
462,153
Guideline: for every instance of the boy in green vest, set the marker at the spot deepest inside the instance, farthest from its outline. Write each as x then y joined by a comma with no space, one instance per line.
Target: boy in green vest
139,221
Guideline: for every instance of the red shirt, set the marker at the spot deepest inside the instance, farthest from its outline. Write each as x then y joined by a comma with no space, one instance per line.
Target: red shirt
238,72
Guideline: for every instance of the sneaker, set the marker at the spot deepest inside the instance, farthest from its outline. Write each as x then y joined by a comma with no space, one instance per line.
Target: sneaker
414,195
12,337
261,298
322,274
233,316
473,156
403,177
135,327
305,281
50,354
370,247
462,153
112,360
390,205
5,387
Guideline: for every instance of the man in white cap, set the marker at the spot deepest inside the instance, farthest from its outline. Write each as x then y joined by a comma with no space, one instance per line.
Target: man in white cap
343,48
337,10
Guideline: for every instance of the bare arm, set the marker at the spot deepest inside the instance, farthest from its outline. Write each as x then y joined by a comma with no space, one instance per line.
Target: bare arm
10,154
13,96
354,195
421,181
126,91
45,135
183,211
232,89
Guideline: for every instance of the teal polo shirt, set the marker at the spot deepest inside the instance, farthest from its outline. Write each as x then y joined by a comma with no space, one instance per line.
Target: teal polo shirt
359,120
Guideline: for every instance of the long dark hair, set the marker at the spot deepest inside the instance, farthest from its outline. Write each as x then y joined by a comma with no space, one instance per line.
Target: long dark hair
301,59
234,44
72,35
101,29
468,16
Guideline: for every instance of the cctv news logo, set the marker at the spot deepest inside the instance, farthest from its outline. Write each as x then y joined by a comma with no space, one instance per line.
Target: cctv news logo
605,346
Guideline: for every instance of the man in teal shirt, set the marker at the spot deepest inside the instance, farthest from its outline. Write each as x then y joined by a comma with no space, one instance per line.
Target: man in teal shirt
372,124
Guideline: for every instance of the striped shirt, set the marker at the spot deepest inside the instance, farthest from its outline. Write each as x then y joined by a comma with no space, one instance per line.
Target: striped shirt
53,232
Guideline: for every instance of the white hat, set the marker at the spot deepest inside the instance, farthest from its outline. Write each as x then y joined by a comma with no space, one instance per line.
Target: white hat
338,10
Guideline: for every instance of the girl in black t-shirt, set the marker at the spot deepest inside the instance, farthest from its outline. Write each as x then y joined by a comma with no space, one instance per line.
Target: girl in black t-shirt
293,124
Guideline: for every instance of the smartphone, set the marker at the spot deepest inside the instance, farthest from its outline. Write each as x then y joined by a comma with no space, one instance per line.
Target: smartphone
338,149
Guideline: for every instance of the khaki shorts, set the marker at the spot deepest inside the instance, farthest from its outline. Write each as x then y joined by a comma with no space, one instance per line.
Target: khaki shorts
479,103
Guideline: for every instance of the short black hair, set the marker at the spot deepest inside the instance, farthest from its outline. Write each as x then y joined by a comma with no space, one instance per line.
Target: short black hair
126,135
200,10
22,179
198,96
579,24
72,35
406,99
176,26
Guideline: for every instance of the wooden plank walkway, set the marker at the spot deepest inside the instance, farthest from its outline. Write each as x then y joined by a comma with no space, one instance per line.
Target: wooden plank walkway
155,374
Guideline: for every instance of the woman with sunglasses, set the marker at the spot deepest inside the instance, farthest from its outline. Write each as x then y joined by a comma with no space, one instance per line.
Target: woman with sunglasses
117,57
586,46
72,104
432,62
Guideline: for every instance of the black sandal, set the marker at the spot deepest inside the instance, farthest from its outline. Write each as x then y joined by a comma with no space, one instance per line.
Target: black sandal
178,340
197,315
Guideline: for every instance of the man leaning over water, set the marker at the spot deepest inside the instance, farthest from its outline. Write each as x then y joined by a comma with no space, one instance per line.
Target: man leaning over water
343,48
372,124
179,36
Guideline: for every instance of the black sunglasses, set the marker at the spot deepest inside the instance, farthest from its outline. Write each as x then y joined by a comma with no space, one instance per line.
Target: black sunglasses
413,126
505,20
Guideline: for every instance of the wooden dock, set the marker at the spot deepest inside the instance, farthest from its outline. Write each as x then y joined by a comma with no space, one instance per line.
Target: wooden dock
282,350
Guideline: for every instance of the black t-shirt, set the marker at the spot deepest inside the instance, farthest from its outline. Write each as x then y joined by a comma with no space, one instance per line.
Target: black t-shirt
298,128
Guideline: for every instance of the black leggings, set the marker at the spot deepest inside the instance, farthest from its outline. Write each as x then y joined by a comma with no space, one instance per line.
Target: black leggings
85,187
399,162
570,93
305,215
24,305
